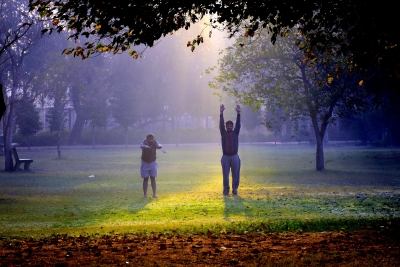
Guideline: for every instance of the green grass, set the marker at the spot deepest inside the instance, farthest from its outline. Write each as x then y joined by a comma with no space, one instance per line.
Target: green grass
279,191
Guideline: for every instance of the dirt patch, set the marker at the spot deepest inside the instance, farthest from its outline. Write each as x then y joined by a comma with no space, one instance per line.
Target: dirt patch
366,248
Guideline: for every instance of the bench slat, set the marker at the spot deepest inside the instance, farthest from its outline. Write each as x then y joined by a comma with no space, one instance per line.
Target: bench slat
18,161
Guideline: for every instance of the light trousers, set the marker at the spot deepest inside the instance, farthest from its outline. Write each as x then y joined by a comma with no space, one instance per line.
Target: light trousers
230,163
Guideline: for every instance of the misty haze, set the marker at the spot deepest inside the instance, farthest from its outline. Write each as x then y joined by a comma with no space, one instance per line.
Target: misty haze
202,133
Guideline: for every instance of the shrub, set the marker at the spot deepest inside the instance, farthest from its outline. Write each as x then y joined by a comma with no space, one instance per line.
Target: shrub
44,138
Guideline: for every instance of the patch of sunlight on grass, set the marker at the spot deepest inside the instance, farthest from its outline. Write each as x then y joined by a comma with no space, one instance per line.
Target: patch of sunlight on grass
276,184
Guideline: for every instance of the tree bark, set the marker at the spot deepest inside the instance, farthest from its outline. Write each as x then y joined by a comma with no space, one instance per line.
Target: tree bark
93,139
75,137
2,102
8,126
77,128
126,136
320,159
58,143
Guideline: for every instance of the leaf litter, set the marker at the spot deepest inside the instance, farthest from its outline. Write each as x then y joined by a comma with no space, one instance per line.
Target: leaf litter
357,248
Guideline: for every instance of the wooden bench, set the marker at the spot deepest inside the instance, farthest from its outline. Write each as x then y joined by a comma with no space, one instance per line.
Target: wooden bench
18,161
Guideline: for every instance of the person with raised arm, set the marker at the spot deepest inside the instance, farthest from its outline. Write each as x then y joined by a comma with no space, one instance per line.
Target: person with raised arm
230,160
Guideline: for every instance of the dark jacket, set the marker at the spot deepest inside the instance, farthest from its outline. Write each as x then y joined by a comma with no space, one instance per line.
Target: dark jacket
149,155
235,135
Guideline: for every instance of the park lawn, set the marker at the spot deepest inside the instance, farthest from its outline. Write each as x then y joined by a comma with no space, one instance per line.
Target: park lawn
99,191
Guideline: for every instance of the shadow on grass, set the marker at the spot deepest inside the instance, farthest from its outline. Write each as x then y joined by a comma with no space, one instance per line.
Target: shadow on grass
235,207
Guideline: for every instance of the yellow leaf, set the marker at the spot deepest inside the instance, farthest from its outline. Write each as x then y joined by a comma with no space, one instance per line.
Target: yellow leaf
97,27
330,80
135,56
305,59
67,52
131,32
287,34
361,83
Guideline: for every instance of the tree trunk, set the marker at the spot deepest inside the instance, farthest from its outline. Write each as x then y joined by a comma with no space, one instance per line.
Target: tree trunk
93,139
320,161
75,137
9,164
319,131
77,128
2,102
126,136
163,122
58,143
8,125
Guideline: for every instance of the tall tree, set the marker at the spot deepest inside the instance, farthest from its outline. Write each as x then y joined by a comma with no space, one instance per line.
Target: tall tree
11,30
282,78
98,113
19,74
56,116
123,105
88,80
28,120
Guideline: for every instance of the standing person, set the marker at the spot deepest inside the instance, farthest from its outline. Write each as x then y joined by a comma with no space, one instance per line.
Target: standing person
230,160
149,167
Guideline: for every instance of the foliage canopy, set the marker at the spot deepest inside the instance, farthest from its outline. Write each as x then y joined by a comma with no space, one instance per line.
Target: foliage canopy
367,29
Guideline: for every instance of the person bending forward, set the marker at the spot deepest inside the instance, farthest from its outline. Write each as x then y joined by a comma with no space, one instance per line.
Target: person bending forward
149,167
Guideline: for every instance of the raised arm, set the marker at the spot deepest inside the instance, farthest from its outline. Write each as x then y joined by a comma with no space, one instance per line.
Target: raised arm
238,124
221,119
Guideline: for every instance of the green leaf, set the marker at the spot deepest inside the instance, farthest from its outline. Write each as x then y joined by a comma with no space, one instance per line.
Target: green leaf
43,13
